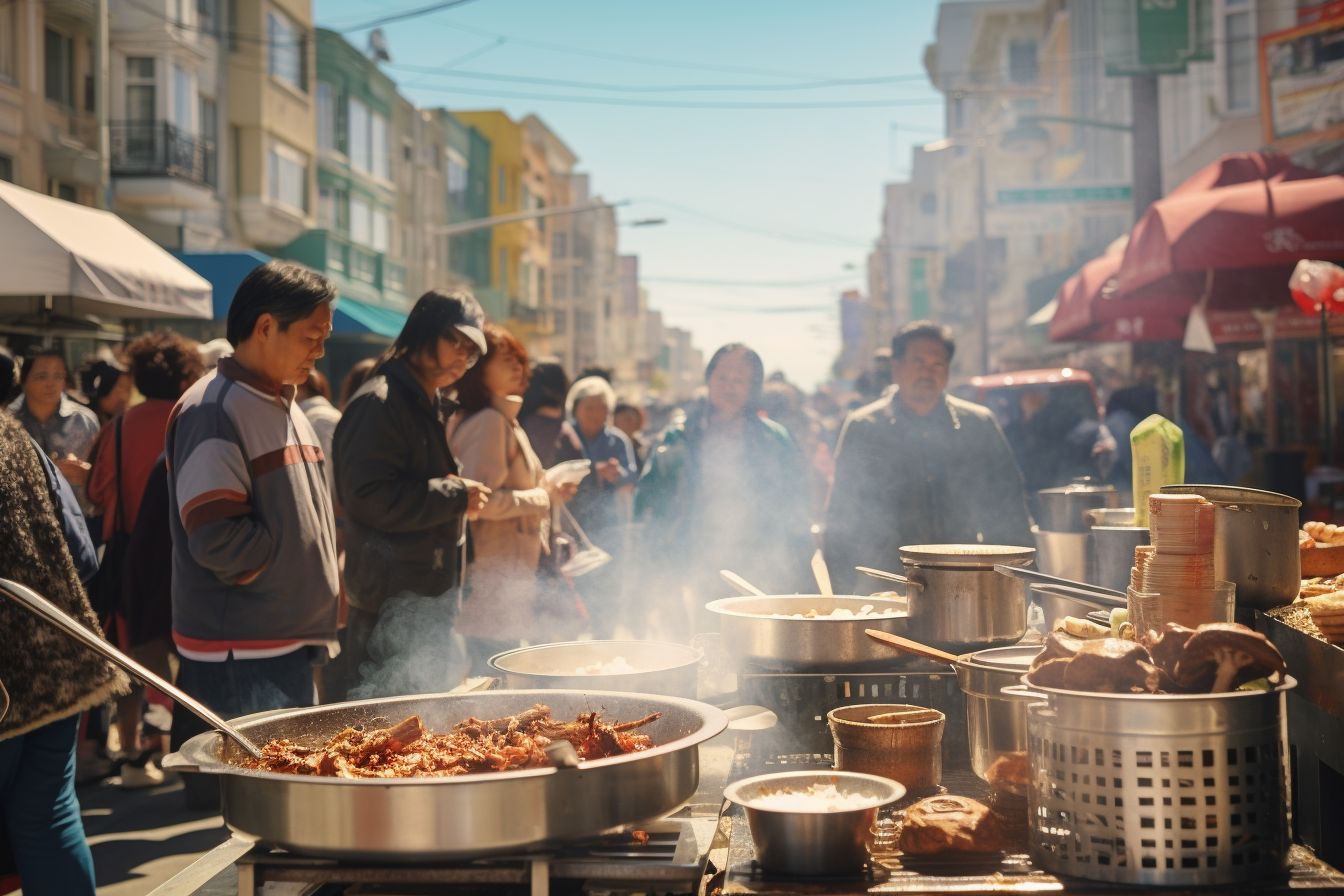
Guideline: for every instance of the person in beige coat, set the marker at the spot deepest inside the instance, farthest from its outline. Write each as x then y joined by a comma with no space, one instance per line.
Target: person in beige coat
510,535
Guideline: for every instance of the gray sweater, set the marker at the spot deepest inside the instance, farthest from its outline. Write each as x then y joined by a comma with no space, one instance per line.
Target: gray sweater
254,537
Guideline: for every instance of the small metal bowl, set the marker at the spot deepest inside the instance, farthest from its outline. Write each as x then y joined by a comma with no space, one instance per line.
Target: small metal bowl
813,843
662,668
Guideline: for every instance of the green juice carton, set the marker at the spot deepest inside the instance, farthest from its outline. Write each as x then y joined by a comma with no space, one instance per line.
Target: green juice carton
1159,459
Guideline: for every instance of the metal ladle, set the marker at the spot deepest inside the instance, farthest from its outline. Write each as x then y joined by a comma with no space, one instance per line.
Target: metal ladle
36,603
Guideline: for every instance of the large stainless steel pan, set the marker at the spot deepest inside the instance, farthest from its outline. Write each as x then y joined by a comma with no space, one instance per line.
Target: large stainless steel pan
753,634
421,819
660,667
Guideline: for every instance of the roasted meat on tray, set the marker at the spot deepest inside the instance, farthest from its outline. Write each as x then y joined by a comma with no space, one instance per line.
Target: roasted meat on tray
408,750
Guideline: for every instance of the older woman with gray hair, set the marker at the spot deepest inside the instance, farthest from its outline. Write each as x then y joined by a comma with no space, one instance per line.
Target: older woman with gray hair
601,505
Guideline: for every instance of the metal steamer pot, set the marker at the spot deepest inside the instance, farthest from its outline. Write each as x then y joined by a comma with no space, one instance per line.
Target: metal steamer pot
1171,790
1065,509
996,726
1254,542
661,667
763,631
466,816
958,602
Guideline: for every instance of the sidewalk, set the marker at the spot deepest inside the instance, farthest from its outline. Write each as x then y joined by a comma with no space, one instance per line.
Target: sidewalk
140,838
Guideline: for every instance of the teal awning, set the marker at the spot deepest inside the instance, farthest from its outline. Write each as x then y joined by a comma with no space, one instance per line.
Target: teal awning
354,316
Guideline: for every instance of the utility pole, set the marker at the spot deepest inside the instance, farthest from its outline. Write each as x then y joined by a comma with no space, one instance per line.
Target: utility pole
102,67
981,253
1147,143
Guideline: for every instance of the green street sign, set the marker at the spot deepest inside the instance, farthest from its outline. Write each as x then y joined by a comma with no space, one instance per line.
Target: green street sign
1155,37
1057,195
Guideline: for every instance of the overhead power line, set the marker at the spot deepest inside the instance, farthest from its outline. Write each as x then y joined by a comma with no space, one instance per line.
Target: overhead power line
753,284
400,16
449,71
679,104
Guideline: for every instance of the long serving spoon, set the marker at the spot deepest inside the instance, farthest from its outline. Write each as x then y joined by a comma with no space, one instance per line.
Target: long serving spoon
36,603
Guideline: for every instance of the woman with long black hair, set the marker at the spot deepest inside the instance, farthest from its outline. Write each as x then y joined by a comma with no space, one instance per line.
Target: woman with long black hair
726,489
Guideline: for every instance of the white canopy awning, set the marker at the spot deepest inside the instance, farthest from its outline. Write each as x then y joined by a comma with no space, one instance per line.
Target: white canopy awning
72,260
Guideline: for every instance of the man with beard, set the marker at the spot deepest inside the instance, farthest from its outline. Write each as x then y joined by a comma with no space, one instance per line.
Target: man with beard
919,466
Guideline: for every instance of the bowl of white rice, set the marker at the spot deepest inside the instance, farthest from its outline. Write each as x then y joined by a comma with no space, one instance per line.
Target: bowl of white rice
812,823
639,667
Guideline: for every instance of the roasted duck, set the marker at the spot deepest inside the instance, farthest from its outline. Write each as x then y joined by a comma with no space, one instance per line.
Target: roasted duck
408,750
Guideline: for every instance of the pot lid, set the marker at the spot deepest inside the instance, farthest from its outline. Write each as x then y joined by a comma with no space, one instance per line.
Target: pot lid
1017,658
1083,485
1231,494
975,556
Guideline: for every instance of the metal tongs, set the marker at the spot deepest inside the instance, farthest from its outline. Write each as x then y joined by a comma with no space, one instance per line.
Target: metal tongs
36,603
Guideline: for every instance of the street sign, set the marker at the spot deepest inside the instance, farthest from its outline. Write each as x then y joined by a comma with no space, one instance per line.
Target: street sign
1155,37
1065,195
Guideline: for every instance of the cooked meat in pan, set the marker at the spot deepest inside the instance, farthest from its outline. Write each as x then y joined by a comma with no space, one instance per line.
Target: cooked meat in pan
408,750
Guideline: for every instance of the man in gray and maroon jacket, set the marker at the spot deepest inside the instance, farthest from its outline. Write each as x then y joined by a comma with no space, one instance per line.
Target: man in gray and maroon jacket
254,538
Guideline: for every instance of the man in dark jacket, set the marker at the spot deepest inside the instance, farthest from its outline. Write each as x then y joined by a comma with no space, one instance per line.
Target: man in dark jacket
396,478
921,467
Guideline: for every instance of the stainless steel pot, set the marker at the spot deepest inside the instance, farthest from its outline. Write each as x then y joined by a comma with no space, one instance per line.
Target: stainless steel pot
810,843
1110,554
958,602
419,819
1254,542
761,631
995,725
1064,509
1159,789
1062,554
661,668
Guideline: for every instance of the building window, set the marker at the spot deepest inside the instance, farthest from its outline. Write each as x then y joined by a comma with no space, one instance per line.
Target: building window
363,266
559,244
381,234
1022,63
379,153
208,126
9,44
335,256
140,98
184,95
285,43
561,322
7,169
503,186
1240,61
361,220
205,16
326,116
504,268
357,138
67,192
560,285
60,68
288,170
457,176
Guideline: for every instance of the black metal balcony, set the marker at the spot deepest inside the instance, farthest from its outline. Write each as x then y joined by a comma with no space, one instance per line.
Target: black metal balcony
159,149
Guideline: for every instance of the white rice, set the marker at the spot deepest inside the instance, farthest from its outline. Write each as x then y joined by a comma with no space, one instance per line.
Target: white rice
816,798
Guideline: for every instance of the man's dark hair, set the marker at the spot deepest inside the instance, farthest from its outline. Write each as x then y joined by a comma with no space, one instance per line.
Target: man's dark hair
162,362
548,388
923,329
624,407
98,378
287,291
435,315
753,361
30,359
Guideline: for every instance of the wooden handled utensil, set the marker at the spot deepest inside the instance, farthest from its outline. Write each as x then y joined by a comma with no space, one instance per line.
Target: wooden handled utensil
822,573
914,647
740,585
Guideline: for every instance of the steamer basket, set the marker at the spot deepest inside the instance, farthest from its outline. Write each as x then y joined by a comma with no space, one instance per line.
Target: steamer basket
1170,790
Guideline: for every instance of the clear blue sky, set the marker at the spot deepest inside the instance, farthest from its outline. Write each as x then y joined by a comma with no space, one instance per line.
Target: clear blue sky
756,195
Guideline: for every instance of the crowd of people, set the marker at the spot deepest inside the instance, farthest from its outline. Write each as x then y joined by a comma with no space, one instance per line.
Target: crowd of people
269,545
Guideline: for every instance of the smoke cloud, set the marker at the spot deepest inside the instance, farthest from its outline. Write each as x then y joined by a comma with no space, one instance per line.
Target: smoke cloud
414,650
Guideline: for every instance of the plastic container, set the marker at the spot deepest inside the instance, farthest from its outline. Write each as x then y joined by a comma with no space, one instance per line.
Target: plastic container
1159,459
1150,611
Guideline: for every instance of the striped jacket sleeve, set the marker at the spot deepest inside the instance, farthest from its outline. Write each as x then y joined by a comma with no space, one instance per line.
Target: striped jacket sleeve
213,497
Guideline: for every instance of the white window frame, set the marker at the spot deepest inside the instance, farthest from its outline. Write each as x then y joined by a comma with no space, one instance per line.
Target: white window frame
327,138
357,148
280,154
277,23
184,100
458,173
361,220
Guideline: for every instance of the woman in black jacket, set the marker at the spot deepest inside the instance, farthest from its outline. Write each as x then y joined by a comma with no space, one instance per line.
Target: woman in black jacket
406,505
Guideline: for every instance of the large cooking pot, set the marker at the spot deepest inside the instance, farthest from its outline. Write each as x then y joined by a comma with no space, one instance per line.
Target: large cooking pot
1111,540
419,819
1061,554
958,602
763,631
659,667
1064,509
995,725
1254,542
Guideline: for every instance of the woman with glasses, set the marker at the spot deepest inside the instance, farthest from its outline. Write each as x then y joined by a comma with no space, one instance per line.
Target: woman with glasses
406,505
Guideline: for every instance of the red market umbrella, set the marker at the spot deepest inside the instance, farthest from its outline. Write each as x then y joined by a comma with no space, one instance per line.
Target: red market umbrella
1245,211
